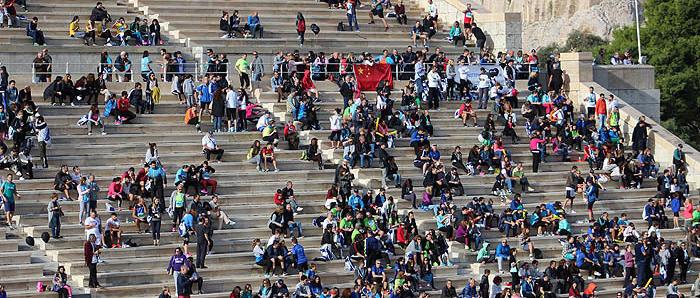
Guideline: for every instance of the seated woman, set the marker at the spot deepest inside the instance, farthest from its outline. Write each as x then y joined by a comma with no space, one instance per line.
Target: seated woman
219,214
313,153
139,213
116,192
418,33
60,283
92,118
268,157
456,34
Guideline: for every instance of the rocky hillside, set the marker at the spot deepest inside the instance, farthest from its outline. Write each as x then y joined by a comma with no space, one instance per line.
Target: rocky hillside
547,21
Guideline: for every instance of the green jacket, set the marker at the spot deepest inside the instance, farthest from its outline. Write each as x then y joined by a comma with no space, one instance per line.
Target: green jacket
483,253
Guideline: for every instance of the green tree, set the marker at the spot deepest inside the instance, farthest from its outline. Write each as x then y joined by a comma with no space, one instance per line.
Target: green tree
671,41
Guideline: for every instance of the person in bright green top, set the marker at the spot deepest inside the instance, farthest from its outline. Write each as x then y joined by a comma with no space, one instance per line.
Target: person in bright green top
178,203
456,34
370,223
696,217
614,119
399,281
9,192
243,68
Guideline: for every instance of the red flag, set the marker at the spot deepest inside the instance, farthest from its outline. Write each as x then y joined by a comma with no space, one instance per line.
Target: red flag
368,76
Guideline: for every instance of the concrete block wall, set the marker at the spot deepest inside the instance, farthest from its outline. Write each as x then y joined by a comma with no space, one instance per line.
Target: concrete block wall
636,83
661,141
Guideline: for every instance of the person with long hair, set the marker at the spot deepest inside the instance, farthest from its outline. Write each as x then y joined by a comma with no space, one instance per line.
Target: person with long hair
301,28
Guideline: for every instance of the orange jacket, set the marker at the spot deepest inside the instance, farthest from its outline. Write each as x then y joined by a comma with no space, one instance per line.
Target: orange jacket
600,107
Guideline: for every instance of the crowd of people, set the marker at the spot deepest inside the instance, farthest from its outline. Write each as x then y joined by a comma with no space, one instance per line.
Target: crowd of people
383,246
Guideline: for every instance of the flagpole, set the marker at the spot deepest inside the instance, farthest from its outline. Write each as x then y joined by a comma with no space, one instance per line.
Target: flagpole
639,40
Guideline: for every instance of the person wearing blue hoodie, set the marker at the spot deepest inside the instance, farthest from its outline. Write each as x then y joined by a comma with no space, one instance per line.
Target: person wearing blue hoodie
355,201
676,208
502,254
302,262
419,140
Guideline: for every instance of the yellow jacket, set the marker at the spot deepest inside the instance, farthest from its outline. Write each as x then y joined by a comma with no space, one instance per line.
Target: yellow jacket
72,28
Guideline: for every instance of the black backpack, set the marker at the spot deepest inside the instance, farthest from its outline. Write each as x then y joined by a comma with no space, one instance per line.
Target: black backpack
315,29
341,26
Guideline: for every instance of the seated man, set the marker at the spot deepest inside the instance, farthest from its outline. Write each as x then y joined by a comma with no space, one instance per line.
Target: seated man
268,156
418,33
210,146
254,24
35,33
400,11
113,231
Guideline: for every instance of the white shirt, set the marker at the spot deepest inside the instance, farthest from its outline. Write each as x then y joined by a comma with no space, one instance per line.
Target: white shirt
483,81
232,99
432,9
463,72
94,230
209,142
335,122
590,100
433,79
262,121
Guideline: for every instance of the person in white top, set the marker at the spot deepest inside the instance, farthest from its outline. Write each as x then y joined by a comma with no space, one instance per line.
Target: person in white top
336,125
263,121
209,146
434,89
590,102
483,89
92,226
433,12
232,105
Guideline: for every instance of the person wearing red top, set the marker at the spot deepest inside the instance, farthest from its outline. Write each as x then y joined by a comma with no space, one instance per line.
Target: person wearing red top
466,111
601,110
123,113
91,251
268,154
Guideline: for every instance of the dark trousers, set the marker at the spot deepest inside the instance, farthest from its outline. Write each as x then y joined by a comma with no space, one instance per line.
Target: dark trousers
219,153
433,98
629,273
155,229
42,155
201,253
536,156
245,80
93,275
684,272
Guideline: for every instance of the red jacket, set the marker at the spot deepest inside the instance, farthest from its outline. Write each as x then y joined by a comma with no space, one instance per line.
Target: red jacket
89,252
123,104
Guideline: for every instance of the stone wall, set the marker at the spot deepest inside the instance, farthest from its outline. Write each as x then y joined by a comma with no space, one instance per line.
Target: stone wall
661,141
635,83
547,21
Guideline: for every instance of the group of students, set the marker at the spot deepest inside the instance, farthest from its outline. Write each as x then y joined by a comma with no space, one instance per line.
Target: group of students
117,34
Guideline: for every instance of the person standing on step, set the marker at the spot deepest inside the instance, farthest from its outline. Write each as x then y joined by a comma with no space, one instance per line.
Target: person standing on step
9,192
43,135
352,15
243,68
301,28
203,92
202,234
177,261
157,176
479,35
378,10
258,70
91,251
155,213
55,214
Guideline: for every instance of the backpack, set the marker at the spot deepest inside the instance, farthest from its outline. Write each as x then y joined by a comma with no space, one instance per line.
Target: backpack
341,26
315,29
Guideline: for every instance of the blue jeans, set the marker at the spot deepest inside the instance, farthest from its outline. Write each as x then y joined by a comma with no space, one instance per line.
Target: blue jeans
364,158
295,226
84,210
601,120
352,20
218,122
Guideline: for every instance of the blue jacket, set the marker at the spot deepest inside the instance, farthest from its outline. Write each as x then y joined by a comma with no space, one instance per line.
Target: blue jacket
503,250
416,137
591,194
298,252
469,291
354,201
676,204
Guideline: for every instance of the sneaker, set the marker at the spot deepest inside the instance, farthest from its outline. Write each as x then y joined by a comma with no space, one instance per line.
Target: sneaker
299,209
72,104
89,133
277,170
573,211
104,133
